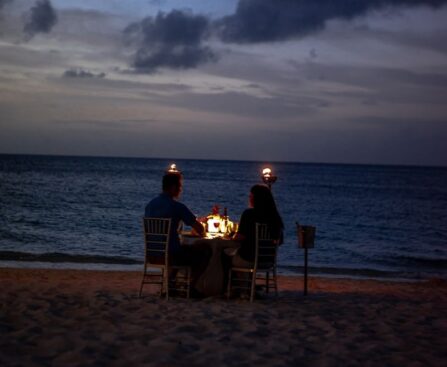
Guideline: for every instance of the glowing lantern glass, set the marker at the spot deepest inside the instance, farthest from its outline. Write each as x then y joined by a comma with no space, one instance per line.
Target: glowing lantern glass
268,177
172,169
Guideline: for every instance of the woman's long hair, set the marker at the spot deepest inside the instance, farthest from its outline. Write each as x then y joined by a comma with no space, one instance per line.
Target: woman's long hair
264,204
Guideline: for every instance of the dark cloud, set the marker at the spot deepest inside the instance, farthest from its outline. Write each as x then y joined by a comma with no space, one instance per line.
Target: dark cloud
81,73
4,2
41,19
276,20
173,40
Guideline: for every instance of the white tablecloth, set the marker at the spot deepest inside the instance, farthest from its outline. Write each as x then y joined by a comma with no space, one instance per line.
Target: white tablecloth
211,281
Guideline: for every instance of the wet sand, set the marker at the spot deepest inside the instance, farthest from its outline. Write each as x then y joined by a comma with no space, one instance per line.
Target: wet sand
85,318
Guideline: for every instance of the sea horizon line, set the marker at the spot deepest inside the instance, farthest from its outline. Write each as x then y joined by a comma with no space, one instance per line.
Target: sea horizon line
264,162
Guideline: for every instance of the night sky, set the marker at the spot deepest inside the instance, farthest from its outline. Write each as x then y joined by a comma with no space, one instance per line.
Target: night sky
346,81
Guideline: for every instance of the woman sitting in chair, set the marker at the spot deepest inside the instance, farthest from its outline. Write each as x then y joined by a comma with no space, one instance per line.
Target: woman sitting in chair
262,209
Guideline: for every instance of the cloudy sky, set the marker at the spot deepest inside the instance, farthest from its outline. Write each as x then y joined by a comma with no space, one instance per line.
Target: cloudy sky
346,81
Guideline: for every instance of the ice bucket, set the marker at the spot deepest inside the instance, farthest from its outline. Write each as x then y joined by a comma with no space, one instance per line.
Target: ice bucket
306,236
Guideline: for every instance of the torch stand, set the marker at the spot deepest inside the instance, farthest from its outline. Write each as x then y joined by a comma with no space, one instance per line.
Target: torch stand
305,271
306,240
269,180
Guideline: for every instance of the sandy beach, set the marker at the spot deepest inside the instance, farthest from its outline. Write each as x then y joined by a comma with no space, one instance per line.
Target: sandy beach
86,318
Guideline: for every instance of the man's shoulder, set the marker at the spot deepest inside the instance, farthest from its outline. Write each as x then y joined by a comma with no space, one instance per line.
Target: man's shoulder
170,202
157,203
179,205
161,198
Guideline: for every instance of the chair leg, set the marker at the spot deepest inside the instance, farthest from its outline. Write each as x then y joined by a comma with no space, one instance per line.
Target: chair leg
166,282
188,284
267,282
179,281
229,285
141,288
253,286
142,282
275,282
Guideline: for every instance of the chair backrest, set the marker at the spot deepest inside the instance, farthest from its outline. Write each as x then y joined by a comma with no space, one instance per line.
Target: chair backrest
156,239
266,247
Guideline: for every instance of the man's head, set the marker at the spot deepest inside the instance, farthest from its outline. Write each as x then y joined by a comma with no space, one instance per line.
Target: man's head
172,184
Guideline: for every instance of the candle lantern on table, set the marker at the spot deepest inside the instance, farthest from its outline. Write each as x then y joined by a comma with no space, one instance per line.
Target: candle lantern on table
268,177
306,240
218,225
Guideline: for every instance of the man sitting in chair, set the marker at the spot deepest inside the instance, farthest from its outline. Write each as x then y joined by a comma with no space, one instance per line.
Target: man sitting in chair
166,205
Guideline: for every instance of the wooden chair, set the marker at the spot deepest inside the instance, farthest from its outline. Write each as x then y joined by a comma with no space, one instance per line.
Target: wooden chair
157,269
264,264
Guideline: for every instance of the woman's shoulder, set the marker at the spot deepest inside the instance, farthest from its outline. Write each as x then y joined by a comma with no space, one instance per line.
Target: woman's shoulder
249,213
247,217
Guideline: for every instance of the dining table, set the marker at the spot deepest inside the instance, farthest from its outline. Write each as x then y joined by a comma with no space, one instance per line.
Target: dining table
211,281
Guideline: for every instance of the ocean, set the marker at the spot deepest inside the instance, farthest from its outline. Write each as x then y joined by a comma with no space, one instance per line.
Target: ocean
85,212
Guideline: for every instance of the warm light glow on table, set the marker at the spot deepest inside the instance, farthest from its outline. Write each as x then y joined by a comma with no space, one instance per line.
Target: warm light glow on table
216,225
